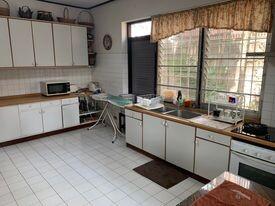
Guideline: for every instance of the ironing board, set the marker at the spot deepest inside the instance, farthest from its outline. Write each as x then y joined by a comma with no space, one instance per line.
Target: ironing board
110,100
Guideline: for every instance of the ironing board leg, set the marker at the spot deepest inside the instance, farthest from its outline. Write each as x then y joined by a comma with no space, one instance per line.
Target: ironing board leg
100,117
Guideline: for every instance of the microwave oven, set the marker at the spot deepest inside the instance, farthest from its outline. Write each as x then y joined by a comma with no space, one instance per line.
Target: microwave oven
53,88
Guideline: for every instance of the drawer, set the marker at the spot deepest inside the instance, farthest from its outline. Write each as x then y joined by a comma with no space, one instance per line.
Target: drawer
133,114
26,107
70,101
214,137
51,103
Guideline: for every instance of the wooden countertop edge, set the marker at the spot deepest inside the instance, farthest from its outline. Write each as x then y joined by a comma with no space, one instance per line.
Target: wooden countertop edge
226,132
31,98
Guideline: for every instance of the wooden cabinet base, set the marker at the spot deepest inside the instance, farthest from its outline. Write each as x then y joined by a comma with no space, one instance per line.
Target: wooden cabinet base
25,139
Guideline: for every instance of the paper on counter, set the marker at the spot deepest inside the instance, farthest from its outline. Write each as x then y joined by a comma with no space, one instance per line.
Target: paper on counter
211,123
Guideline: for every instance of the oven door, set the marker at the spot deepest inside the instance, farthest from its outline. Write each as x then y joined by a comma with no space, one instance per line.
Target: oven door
253,169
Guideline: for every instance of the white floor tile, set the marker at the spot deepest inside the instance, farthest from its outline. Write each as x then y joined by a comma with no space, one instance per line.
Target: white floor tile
164,196
152,201
152,188
103,201
127,202
139,196
92,194
116,195
129,188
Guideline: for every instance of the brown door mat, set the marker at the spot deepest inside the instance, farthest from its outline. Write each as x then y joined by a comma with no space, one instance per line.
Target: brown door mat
161,173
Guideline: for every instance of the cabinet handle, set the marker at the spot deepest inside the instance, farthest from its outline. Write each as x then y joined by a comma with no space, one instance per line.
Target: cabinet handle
166,124
140,124
210,136
197,142
163,123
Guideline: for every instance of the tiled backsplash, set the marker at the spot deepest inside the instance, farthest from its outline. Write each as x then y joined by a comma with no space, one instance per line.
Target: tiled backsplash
27,80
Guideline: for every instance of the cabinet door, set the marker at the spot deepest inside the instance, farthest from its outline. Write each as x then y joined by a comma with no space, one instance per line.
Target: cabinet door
9,126
180,141
80,46
211,159
134,132
52,117
62,45
22,43
70,115
43,44
154,136
5,48
30,119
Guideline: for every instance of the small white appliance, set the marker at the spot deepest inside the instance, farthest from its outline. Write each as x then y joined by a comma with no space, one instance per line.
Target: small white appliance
253,162
53,88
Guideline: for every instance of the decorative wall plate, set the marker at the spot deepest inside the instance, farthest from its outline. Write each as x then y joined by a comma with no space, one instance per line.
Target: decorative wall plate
107,42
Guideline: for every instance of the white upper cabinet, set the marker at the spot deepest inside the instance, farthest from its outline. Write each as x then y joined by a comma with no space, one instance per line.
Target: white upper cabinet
43,44
5,48
22,43
80,46
62,45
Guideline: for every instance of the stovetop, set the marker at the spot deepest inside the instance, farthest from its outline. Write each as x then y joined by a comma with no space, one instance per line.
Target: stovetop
268,134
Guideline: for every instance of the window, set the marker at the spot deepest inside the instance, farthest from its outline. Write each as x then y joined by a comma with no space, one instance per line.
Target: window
225,67
140,29
178,63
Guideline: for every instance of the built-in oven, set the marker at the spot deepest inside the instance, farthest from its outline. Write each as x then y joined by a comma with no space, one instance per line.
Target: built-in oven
253,162
52,88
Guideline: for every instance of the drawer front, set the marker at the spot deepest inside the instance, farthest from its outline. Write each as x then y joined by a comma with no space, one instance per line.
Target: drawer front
26,107
133,114
214,137
70,101
50,103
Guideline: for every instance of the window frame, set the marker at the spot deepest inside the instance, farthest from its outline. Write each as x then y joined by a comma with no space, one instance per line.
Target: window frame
201,69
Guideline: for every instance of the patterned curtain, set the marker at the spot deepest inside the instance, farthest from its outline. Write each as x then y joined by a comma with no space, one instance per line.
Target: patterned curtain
248,15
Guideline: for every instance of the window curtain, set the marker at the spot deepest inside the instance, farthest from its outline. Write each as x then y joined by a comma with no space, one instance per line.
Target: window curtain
248,15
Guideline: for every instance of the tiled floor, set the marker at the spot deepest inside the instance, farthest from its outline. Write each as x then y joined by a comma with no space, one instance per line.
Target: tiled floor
81,168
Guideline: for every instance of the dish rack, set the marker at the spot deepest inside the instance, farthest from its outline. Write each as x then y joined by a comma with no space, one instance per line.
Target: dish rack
149,101
232,107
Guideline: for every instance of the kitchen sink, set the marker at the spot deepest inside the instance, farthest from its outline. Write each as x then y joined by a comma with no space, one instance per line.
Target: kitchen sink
184,114
164,110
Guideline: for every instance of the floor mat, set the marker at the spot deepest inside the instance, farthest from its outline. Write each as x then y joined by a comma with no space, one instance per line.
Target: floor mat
161,173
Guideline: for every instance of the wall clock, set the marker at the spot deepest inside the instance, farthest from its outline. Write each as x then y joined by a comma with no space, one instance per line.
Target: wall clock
107,42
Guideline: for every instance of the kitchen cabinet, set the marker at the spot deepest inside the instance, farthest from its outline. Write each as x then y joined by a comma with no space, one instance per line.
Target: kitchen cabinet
43,44
30,119
62,45
180,144
22,43
9,123
134,132
51,115
70,112
79,46
154,136
211,159
5,48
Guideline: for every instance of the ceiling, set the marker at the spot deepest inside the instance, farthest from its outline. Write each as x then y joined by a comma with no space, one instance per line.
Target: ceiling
84,4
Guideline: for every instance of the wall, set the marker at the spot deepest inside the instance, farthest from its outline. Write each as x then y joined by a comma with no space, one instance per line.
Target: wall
16,81
112,66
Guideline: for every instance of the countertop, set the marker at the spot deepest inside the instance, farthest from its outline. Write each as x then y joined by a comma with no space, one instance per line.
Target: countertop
31,98
227,131
265,192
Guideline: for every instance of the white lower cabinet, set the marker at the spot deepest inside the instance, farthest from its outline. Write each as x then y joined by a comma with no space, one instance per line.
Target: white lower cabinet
211,159
180,143
154,136
70,114
134,132
30,119
9,123
52,115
